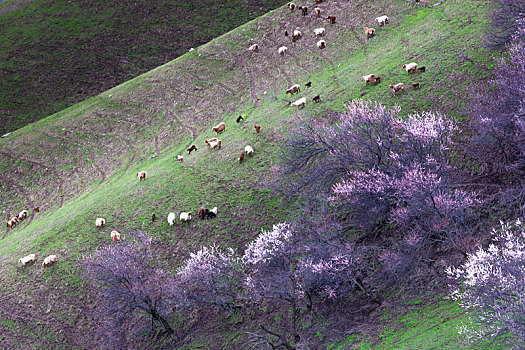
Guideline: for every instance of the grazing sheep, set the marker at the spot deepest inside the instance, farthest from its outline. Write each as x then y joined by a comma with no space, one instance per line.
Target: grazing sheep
416,86
257,128
291,6
321,44
317,99
422,69
371,78
219,128
304,9
99,222
50,260
191,149
213,143
241,157
309,84
115,236
317,11
238,120
171,218
36,209
202,213
294,89
180,158
254,48
282,50
411,67
8,224
319,31
185,217
299,102
142,175
331,19
396,88
210,214
22,215
296,34
370,32
285,33
28,260
153,218
248,150
382,20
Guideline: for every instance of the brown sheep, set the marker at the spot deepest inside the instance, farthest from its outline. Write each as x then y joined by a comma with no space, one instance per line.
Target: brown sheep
317,98
191,149
153,218
370,32
285,33
219,129
241,157
291,6
309,84
36,209
304,9
239,118
294,89
331,19
422,69
202,213
396,88
257,128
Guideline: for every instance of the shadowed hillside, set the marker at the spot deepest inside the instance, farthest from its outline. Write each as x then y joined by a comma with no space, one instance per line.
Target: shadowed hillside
80,163
55,53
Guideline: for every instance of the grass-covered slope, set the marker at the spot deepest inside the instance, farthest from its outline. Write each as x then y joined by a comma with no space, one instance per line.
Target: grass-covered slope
56,53
80,163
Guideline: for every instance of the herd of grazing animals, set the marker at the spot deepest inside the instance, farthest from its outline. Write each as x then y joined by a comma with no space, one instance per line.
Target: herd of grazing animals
215,143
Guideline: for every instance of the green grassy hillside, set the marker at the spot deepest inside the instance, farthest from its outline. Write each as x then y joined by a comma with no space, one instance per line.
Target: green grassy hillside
80,163
56,53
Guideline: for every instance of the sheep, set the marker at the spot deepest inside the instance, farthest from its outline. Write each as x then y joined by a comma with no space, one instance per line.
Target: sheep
50,260
317,99
291,6
308,84
318,1
370,32
411,67
254,48
317,11
285,33
382,20
257,128
213,143
416,86
171,218
185,217
28,260
238,120
296,34
219,128
299,102
304,9
115,236
36,209
397,87
241,158
8,223
294,89
319,31
202,213
191,149
248,150
100,222
180,158
321,44
282,50
211,213
371,78
142,175
422,69
153,218
22,215
331,19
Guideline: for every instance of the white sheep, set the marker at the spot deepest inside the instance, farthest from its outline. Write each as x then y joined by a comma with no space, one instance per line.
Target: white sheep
142,175
180,158
115,236
50,260
185,217
321,44
411,67
296,34
99,222
299,102
171,218
319,31
283,50
382,20
27,260
254,48
248,150
22,215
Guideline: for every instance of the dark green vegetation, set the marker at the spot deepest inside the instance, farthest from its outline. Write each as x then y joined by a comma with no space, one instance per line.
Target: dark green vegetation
56,53
80,163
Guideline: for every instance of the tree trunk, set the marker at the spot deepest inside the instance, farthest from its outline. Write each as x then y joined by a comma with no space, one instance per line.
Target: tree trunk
163,322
